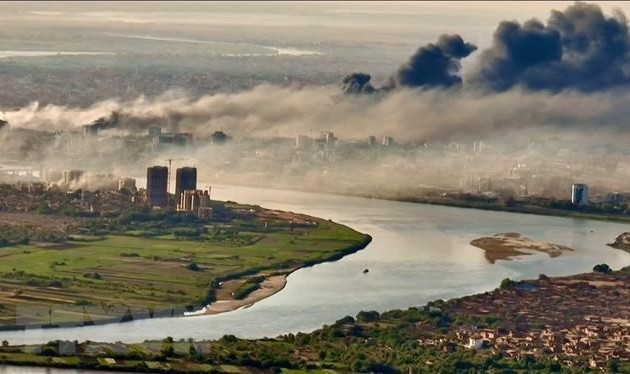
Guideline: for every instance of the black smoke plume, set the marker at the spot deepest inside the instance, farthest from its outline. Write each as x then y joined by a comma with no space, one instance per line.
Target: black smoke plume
357,83
579,48
434,65
105,123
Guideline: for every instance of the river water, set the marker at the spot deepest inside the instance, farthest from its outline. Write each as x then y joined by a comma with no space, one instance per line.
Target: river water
419,253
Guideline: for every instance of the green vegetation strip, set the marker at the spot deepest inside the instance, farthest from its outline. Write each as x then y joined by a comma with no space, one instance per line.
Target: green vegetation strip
416,340
144,264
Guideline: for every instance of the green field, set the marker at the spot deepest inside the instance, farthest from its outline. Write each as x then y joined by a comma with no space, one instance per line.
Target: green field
88,278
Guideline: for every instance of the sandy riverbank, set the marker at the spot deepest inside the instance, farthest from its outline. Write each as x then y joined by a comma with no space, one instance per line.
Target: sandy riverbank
226,302
507,245
270,285
622,242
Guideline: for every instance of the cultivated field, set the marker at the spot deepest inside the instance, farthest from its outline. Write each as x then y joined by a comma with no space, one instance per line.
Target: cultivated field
92,278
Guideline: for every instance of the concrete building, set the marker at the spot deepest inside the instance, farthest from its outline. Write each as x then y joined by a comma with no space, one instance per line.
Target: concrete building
219,137
71,176
128,184
193,201
388,141
155,131
303,142
579,194
180,139
90,130
157,182
204,213
328,137
183,138
185,179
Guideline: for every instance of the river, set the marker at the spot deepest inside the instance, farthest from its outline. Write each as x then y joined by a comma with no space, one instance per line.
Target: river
419,253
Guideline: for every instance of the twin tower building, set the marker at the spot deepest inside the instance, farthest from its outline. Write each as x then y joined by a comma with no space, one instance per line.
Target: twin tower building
187,197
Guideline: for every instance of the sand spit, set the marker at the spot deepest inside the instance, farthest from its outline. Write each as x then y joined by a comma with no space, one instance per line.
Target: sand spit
507,245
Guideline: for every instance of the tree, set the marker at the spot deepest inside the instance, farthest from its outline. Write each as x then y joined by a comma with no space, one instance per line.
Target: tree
371,316
358,366
612,366
167,349
506,283
602,268
192,351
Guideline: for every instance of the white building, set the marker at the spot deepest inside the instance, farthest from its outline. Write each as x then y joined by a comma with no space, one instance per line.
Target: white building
474,343
579,194
193,200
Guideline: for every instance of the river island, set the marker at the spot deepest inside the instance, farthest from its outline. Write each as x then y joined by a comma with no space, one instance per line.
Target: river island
505,246
61,266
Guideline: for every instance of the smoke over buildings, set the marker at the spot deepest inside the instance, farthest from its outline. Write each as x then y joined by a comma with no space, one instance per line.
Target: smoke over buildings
575,58
103,123
433,65
357,83
579,48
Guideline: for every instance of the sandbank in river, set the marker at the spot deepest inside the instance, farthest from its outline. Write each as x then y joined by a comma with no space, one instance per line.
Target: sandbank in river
507,245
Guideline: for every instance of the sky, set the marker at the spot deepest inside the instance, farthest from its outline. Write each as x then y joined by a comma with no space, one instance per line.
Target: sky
405,23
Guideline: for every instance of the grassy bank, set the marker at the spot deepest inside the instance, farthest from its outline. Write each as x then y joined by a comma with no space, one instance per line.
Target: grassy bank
88,279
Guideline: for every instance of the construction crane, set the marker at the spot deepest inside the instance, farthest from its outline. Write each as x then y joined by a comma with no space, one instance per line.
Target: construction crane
168,182
209,188
170,161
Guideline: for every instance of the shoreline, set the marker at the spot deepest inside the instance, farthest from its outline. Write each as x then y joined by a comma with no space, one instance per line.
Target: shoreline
530,209
580,284
272,287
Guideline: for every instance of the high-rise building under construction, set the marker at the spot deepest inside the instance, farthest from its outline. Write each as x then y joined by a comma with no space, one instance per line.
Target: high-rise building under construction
157,184
185,179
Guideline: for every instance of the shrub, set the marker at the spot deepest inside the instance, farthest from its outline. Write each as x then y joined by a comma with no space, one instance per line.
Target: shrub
92,275
129,254
507,283
344,320
602,268
49,351
192,266
246,288
55,283
371,316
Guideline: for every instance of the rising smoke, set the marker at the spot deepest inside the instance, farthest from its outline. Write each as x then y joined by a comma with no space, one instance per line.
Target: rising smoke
576,58
414,115
357,83
580,48
434,65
